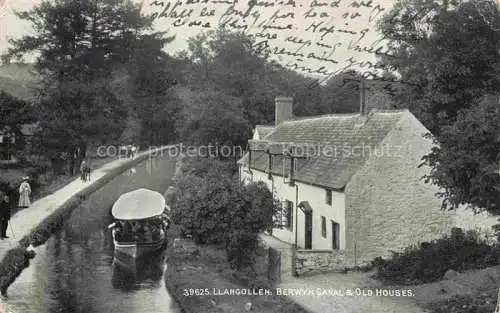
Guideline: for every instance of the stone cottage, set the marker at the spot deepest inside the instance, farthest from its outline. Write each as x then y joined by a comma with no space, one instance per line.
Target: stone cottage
348,182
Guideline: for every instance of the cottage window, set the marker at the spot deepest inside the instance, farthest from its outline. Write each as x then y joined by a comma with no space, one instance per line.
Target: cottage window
328,197
287,216
323,227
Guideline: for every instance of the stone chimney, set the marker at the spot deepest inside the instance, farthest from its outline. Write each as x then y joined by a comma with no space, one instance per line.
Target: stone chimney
283,107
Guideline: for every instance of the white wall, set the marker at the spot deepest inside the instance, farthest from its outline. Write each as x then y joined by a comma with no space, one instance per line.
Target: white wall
317,199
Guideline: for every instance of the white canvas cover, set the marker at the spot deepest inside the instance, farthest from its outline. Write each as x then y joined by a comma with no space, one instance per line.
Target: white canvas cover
139,204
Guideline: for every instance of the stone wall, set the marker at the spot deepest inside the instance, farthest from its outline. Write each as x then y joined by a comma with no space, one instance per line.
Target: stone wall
311,262
388,205
285,252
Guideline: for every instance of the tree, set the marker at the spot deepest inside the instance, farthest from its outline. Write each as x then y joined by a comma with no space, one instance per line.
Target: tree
447,54
14,111
212,118
146,81
80,43
465,160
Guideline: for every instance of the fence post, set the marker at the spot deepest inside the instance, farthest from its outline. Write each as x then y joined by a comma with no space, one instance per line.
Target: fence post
294,260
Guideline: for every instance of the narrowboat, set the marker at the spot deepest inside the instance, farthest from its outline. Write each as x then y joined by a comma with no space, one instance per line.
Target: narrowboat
141,223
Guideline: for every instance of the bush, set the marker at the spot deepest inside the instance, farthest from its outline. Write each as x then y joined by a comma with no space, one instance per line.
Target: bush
12,265
483,303
213,207
428,262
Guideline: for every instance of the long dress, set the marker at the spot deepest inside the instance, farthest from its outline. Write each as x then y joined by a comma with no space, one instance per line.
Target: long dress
24,195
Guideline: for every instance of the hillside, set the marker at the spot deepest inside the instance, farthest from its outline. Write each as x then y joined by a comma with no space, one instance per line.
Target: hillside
18,79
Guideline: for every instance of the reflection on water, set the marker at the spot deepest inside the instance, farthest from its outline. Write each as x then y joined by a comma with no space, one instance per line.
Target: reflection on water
151,164
75,270
129,275
131,171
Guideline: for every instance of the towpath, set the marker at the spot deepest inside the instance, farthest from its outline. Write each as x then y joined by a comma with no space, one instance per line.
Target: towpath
25,220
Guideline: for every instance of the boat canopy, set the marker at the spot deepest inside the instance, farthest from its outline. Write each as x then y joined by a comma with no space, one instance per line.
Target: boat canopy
139,204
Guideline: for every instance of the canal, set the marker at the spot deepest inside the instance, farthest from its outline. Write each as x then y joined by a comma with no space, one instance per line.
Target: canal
74,272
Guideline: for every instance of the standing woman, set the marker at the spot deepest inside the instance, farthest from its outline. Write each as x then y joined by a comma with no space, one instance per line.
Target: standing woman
24,193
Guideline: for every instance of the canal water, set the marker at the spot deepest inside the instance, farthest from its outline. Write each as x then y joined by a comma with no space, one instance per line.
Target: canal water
74,271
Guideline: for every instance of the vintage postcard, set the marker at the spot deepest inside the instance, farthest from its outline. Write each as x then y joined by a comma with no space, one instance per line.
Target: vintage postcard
225,156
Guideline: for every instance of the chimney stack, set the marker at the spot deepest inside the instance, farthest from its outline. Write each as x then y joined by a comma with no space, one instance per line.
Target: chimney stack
283,109
362,97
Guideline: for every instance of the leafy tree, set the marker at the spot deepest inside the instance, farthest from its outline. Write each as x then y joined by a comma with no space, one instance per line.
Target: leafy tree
225,61
78,114
229,63
148,83
465,160
80,43
212,118
14,111
447,52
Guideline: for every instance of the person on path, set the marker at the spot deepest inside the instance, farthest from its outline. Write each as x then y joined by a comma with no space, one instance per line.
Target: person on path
129,151
83,170
88,169
24,193
5,212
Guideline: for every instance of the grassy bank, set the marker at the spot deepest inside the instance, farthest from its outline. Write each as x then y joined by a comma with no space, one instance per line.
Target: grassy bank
10,267
207,268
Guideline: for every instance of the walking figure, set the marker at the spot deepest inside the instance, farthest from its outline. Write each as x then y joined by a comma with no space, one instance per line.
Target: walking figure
83,167
24,193
5,212
84,171
88,169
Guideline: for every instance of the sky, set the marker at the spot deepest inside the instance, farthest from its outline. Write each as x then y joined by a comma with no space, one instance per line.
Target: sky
320,44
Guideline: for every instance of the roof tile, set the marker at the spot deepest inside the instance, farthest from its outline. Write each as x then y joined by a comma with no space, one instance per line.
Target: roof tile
338,145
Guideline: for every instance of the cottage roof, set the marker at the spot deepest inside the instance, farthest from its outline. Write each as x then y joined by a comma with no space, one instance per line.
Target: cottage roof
264,130
332,147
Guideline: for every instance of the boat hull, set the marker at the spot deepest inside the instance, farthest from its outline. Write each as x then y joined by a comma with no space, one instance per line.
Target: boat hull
135,250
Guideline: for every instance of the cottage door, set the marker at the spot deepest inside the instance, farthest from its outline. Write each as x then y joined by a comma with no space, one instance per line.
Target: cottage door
335,235
308,230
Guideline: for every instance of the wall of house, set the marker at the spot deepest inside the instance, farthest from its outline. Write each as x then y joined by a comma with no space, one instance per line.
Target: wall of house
482,222
317,199
388,206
